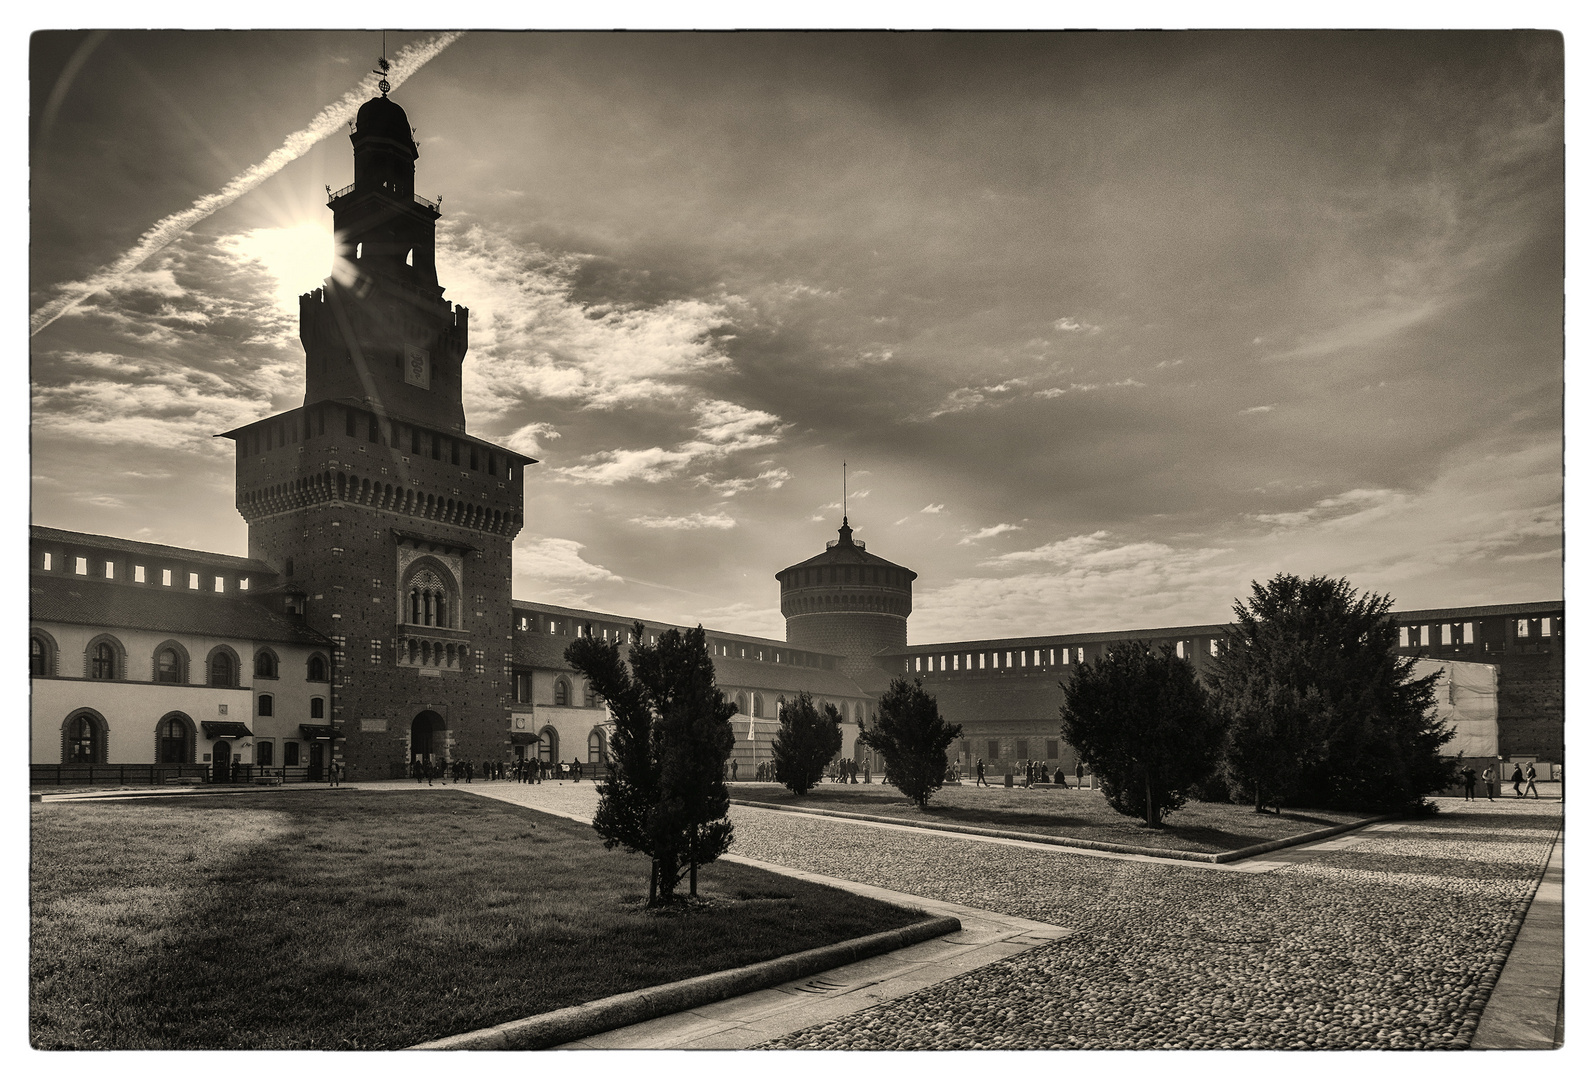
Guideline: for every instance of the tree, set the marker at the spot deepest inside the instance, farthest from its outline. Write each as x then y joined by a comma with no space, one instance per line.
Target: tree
1321,708
807,742
1145,725
665,794
912,738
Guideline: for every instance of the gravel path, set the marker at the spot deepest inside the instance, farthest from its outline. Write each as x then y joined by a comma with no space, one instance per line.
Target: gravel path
1379,946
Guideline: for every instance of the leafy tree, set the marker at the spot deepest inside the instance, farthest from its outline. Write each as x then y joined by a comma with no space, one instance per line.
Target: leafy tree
1321,709
912,738
807,742
665,794
1145,725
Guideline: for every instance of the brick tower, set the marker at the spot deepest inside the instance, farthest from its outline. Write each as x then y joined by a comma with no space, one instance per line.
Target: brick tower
847,601
391,525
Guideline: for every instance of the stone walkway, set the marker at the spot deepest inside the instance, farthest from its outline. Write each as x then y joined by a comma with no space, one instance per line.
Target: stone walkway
1380,938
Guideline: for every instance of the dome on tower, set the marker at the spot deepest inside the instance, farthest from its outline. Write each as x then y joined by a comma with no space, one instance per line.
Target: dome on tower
383,118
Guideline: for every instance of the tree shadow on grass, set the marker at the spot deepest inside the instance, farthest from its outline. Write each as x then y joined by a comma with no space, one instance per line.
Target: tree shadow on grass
380,920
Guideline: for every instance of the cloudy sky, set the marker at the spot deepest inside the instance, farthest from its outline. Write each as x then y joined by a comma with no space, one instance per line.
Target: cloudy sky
1106,326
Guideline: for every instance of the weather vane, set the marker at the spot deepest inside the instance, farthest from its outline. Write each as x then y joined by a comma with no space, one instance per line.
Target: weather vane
382,68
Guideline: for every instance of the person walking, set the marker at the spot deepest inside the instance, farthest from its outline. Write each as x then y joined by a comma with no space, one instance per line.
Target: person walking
979,772
1516,780
1488,783
733,772
1079,774
1533,780
1469,780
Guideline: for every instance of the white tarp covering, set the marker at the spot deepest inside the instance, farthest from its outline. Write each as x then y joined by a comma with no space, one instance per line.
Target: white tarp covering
1467,696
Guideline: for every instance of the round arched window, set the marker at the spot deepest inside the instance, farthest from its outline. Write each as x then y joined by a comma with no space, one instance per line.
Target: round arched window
168,667
103,662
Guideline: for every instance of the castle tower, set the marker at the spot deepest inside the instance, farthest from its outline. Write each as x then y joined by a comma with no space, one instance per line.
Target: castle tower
847,601
390,524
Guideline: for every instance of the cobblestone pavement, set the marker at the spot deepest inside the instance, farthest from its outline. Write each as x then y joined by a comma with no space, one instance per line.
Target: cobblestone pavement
1381,945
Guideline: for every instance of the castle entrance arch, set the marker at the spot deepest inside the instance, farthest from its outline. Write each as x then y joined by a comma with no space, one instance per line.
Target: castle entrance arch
426,737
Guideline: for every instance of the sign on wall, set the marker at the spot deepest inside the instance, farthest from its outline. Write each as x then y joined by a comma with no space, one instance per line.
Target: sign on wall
417,367
373,725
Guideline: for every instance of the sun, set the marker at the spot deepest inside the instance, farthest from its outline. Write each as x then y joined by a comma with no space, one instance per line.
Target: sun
298,256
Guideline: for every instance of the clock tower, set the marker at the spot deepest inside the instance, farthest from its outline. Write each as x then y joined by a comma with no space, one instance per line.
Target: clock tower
391,525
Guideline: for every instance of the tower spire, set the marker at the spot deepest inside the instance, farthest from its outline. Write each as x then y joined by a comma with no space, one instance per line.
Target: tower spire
382,68
844,493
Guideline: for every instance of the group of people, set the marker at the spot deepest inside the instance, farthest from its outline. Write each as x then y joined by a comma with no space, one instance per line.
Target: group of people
845,771
1032,773
521,770
1469,782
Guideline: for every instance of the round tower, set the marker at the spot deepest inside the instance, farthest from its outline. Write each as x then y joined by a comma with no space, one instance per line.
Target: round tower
850,603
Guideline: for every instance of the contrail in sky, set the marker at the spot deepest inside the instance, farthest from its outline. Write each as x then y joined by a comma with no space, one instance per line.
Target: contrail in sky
168,229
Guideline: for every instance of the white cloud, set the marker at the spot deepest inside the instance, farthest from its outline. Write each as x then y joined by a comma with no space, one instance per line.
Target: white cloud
528,439
689,521
769,479
1259,409
531,341
989,532
1070,325
723,428
551,558
933,508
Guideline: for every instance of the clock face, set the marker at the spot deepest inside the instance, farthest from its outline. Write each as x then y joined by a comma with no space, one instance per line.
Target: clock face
417,367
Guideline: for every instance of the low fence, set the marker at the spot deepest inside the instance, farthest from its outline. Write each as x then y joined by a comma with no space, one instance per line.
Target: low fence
58,775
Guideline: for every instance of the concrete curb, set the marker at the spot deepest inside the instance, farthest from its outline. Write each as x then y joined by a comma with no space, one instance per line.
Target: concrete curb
1092,845
1497,959
622,1010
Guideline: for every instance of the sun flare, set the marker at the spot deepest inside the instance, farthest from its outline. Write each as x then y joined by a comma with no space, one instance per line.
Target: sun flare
298,256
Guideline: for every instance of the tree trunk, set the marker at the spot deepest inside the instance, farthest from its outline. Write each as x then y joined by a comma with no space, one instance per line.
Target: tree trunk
693,891
653,884
1259,807
1152,817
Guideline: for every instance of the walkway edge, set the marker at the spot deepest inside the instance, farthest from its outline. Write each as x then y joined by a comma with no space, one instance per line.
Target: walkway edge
622,1010
1091,845
1502,953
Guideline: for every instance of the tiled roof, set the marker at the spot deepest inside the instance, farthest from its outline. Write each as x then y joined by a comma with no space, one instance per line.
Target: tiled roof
96,602
154,551
846,550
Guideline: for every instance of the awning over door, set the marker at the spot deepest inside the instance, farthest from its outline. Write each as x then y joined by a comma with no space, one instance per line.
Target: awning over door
225,729
523,738
319,731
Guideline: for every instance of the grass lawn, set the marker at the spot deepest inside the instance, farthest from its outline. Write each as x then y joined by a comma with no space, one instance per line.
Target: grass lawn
355,919
1081,815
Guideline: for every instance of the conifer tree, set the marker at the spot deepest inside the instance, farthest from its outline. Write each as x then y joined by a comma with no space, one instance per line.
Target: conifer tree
665,794
1144,723
806,743
1322,710
912,738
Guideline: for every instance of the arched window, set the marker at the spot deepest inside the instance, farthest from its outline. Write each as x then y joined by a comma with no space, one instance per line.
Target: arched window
174,740
316,670
102,661
83,739
265,665
595,747
741,703
561,692
287,569
318,708
588,698
222,670
41,656
427,596
548,745
266,705
758,704
168,666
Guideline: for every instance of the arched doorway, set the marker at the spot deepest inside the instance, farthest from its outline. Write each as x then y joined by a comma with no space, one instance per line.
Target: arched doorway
221,761
426,737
